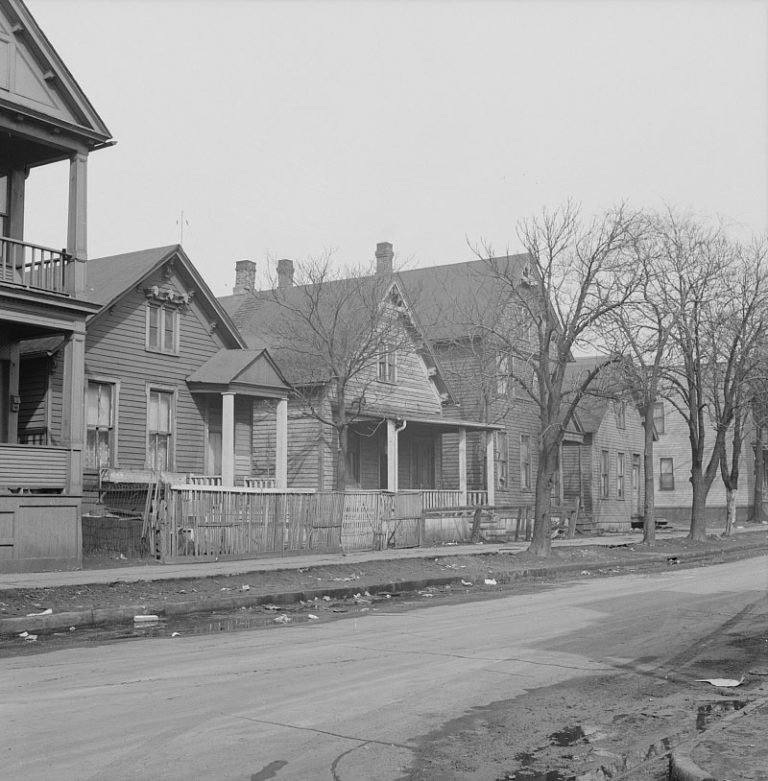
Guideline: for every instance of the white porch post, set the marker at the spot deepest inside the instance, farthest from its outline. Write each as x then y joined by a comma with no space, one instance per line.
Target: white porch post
77,222
228,438
490,467
281,444
391,455
463,465
73,412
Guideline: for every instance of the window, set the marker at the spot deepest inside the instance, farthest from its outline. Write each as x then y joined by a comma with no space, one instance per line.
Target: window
388,366
162,334
525,462
100,424
504,369
635,471
658,417
619,475
160,429
666,474
604,475
621,414
502,459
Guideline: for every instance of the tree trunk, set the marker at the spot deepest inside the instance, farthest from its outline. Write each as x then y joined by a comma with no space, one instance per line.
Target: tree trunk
730,510
541,545
341,458
649,492
698,530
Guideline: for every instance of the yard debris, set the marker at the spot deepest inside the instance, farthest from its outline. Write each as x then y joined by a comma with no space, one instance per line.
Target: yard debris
270,606
71,629
145,619
45,612
673,560
466,582
175,634
30,638
723,682
490,581
313,617
326,598
245,587
282,619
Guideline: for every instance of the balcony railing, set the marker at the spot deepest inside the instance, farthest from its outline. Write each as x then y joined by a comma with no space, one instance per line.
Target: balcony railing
34,266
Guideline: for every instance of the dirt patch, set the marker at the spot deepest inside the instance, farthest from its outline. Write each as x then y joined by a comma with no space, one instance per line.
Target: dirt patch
487,573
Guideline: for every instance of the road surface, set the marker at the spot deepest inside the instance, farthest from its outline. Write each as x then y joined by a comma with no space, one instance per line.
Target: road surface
343,701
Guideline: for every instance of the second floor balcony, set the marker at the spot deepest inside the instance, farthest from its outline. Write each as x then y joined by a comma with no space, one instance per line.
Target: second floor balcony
36,267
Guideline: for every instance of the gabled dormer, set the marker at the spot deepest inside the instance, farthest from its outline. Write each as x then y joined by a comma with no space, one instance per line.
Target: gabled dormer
44,118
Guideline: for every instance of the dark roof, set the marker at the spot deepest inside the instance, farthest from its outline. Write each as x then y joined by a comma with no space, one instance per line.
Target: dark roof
233,367
448,298
603,390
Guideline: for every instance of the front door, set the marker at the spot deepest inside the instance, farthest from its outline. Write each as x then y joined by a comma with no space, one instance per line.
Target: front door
423,463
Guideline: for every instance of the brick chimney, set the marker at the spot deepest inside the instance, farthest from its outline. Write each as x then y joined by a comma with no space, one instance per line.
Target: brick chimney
384,257
284,272
245,277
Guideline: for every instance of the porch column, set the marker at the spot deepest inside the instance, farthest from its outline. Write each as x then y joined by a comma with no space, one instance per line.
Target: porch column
228,438
73,409
391,455
463,465
281,444
490,466
76,223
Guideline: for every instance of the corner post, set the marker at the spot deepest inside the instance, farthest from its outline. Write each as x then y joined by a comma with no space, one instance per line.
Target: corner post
228,439
281,444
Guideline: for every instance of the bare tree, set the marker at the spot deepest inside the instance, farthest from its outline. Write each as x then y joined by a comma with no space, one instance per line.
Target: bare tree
578,274
335,333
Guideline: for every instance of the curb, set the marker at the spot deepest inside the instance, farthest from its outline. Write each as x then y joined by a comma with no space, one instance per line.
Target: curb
94,616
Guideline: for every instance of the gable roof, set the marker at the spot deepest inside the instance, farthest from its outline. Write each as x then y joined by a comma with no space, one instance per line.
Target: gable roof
38,85
259,313
110,278
251,371
605,389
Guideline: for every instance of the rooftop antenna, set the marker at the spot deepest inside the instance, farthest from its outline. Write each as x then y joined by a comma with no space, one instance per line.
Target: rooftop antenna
181,222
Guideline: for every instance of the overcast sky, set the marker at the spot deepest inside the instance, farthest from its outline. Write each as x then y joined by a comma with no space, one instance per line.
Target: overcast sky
289,129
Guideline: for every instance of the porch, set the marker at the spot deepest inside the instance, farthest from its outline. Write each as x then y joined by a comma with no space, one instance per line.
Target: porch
36,267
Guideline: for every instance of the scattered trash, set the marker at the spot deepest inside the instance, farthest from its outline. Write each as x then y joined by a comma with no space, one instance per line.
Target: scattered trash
585,572
270,606
466,583
175,634
673,560
225,588
326,598
46,612
313,617
490,581
30,638
24,634
245,587
282,619
145,619
121,557
426,594
71,629
723,682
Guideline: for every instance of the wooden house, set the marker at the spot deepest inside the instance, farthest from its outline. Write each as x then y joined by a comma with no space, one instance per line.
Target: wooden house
171,387
605,470
460,306
44,118
403,410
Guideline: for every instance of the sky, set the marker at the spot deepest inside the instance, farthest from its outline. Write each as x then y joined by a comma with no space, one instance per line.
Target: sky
299,129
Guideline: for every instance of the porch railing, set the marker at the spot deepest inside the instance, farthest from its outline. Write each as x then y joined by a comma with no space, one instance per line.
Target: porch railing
32,467
34,266
451,498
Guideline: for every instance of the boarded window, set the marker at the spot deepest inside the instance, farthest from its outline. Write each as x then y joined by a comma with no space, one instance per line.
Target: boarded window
100,424
666,474
160,429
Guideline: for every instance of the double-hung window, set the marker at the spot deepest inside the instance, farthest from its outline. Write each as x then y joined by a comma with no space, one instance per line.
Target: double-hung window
388,366
525,462
604,474
619,475
666,474
162,328
160,429
101,400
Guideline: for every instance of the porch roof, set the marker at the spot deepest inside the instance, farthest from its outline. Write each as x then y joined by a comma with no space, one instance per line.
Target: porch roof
249,372
436,422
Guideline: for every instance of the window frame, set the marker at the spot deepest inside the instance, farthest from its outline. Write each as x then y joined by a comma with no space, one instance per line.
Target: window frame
670,475
114,384
163,312
526,481
386,366
605,474
659,414
504,366
620,476
170,391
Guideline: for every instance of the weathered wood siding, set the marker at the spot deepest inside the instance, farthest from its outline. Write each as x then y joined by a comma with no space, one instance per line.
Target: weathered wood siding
675,505
115,348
